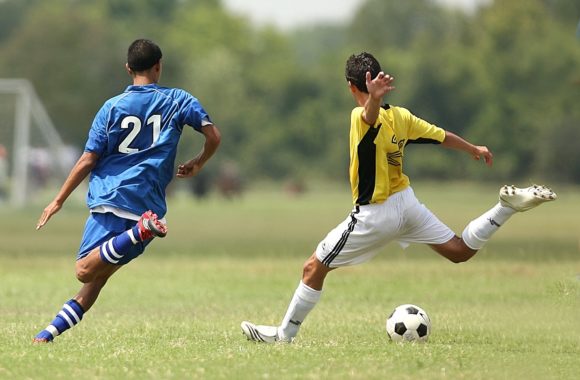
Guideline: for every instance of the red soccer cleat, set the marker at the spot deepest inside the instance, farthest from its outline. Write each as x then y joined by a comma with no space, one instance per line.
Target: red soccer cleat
150,227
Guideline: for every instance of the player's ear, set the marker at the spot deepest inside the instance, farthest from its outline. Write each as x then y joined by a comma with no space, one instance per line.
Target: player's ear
351,87
158,68
129,71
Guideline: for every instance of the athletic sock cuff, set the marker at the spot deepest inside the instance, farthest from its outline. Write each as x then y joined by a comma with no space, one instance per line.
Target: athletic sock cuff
74,303
471,240
307,293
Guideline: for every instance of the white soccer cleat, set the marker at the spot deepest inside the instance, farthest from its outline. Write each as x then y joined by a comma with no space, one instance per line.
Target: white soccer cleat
525,199
263,334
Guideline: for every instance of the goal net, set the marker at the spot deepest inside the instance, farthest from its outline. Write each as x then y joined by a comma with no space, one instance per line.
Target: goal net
32,153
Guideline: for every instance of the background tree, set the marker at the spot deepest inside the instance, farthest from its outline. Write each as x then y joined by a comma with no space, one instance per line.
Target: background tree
506,76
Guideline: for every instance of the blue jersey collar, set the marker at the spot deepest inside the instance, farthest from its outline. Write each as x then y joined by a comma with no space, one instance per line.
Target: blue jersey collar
144,88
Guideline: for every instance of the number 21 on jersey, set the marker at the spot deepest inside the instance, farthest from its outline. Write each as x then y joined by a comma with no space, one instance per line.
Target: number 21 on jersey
133,123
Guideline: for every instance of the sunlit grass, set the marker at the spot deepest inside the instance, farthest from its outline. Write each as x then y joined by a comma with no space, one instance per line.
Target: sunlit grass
511,312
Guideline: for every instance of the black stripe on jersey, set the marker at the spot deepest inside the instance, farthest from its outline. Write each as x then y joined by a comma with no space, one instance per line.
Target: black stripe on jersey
367,164
392,158
422,140
342,241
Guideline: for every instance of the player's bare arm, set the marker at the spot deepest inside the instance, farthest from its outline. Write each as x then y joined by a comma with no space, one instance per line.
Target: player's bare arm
78,173
212,141
377,88
476,151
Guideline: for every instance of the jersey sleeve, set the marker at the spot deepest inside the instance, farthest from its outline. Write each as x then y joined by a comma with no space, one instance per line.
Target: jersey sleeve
193,113
421,131
97,140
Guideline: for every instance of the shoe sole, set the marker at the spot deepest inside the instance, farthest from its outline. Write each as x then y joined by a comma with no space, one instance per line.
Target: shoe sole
540,194
155,230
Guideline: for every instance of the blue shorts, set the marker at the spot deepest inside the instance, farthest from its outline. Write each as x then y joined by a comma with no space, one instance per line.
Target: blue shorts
101,227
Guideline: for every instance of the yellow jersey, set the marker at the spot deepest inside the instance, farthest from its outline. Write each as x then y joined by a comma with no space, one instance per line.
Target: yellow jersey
376,152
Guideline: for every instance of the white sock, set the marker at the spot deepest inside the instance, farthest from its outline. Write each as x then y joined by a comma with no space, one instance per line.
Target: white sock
479,230
303,301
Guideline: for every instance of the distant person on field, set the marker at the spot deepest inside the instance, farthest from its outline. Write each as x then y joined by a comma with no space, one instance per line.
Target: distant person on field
3,172
130,157
229,181
385,207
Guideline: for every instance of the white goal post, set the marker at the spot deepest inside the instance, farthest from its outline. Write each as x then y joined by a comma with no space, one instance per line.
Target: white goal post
29,108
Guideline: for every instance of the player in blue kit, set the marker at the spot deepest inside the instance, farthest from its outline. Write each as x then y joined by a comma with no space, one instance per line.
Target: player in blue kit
130,156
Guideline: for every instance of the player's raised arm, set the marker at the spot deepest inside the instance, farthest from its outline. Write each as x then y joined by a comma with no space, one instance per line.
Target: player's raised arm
476,151
78,173
212,141
377,88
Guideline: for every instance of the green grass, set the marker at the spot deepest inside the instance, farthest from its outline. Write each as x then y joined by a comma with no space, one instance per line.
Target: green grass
511,312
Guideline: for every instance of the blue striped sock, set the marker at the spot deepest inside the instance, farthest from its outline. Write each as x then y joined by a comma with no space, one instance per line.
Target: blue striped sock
115,248
69,316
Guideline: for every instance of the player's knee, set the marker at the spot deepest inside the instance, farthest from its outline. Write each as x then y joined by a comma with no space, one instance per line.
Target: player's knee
83,273
314,273
458,259
309,268
84,276
455,250
461,255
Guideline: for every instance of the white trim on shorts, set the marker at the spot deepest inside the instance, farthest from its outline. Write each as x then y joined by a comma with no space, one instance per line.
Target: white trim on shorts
102,209
368,228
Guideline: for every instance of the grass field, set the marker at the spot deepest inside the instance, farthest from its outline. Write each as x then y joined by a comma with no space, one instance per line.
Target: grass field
512,312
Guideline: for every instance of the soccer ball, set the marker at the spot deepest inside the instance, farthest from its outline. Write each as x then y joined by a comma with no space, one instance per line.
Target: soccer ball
408,323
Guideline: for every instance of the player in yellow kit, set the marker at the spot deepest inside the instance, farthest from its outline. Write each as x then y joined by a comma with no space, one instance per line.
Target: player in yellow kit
385,207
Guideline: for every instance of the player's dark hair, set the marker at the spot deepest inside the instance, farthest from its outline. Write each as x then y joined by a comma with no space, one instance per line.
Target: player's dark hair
142,55
357,67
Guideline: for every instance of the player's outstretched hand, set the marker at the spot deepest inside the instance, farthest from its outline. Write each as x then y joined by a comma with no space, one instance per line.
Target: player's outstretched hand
379,86
52,208
188,169
483,151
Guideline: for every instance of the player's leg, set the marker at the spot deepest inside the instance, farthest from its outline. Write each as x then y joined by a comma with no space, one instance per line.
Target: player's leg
354,241
94,268
116,248
481,229
74,309
511,201
90,290
94,277
113,250
420,225
305,298
455,250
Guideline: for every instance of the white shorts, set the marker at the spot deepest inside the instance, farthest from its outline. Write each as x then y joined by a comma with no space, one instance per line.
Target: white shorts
370,227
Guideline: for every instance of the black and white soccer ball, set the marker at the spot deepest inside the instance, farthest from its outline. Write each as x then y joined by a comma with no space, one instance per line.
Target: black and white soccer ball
408,323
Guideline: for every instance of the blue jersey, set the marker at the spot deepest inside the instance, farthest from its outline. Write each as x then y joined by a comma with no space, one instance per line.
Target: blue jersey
135,135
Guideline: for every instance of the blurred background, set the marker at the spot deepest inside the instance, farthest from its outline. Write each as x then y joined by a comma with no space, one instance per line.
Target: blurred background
505,74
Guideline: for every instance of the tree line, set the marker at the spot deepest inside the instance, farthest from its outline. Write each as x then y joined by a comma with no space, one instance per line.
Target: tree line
506,76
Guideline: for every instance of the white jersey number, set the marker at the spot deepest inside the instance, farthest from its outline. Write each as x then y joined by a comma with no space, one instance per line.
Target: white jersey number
134,125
